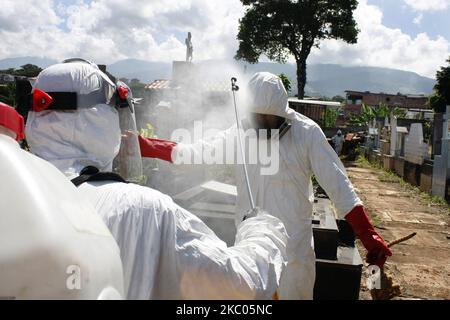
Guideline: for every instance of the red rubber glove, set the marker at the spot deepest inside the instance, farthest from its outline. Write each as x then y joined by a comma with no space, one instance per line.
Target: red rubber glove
377,249
156,148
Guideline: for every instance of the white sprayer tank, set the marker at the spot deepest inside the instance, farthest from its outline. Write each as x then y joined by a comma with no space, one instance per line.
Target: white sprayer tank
52,243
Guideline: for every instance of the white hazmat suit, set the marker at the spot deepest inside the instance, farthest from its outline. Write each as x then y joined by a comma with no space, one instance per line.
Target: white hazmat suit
338,142
167,252
303,151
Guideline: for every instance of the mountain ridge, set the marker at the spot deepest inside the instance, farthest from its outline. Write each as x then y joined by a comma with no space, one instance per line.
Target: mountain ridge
323,79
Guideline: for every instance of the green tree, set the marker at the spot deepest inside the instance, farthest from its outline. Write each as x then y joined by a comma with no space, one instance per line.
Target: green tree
28,70
442,89
436,102
136,86
382,111
369,113
8,91
338,98
363,118
286,82
330,116
399,112
279,28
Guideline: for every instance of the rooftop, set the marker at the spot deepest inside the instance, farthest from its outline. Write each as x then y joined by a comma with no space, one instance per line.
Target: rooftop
386,94
158,84
216,86
316,102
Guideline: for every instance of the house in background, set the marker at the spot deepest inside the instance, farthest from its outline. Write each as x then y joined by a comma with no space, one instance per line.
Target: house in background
355,100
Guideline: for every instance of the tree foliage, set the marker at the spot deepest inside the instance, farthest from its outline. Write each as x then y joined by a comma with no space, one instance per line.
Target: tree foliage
7,91
369,113
280,28
338,98
442,88
286,82
437,102
27,70
330,116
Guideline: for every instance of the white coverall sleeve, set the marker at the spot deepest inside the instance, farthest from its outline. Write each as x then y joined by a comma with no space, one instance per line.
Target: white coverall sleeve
330,173
251,269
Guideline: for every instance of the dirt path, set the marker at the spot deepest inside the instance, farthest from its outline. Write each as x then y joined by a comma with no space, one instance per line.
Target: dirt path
421,266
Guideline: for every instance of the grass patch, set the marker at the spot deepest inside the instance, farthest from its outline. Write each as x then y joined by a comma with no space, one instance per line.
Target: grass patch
363,162
434,200
389,176
429,199
392,177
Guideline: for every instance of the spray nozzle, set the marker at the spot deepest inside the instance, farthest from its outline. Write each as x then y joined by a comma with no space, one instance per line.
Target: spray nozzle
234,87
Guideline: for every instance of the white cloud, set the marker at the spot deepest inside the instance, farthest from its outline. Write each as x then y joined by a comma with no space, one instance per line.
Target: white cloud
18,15
428,5
418,19
381,46
108,30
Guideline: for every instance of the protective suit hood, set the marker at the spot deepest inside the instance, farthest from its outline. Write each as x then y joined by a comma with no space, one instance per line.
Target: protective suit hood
72,140
267,95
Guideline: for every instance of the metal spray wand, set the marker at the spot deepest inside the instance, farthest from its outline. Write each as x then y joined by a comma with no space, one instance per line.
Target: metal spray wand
235,88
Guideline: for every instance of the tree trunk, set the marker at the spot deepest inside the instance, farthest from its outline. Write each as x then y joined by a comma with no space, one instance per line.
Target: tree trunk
301,77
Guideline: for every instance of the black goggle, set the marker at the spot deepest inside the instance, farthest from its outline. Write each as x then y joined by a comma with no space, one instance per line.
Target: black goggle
66,101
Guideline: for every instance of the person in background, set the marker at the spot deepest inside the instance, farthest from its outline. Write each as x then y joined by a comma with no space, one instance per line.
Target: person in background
338,142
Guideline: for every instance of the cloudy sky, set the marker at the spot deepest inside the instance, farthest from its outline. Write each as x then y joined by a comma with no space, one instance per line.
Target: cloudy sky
410,35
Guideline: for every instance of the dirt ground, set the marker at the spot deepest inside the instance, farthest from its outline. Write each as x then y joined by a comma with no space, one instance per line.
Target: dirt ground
421,265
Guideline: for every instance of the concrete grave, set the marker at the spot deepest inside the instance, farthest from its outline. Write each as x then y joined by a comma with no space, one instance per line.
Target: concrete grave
441,160
415,149
214,203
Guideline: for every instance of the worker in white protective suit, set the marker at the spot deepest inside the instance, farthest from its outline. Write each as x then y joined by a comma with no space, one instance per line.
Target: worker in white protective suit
167,252
338,142
288,194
